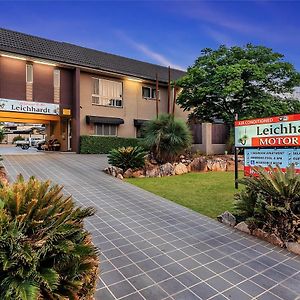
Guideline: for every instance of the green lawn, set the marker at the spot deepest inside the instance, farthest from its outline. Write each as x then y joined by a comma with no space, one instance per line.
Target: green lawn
207,193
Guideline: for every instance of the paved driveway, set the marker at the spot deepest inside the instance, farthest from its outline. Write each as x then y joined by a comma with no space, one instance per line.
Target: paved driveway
155,249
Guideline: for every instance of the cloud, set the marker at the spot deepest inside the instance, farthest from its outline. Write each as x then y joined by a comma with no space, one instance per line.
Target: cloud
226,21
157,57
218,36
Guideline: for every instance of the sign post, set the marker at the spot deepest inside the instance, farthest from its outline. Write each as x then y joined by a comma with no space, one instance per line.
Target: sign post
236,163
272,141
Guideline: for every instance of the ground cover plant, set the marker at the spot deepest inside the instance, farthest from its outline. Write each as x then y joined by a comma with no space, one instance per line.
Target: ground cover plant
271,202
127,157
209,193
45,253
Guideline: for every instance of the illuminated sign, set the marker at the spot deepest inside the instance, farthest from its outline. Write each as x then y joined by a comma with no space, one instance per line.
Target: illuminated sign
29,107
270,157
282,131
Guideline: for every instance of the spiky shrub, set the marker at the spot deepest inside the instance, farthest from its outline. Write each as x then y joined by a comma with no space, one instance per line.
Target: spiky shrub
166,137
127,157
271,201
45,253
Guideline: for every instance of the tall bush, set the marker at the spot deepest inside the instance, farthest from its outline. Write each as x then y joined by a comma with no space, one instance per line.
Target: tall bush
45,253
166,137
271,201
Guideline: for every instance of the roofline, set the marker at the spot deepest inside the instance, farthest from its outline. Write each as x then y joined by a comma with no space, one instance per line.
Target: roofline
83,67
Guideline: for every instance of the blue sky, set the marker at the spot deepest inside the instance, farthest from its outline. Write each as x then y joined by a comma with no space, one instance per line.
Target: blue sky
164,32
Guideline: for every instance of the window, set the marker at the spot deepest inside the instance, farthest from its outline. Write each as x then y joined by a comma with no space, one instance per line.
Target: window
148,92
105,129
107,92
29,73
56,78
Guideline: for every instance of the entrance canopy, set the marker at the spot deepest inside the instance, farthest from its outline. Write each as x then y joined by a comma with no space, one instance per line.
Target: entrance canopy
27,118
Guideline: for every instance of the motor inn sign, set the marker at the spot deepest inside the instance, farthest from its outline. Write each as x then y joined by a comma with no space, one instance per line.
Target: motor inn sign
280,131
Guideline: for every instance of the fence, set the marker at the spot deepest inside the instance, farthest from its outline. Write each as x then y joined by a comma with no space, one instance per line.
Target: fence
210,138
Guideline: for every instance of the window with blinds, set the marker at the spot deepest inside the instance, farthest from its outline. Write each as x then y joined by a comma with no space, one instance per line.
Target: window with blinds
107,92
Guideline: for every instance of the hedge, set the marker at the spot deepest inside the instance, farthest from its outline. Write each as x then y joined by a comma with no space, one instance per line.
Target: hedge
103,144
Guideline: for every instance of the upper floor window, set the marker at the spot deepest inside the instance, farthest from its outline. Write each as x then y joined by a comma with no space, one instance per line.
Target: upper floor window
107,92
148,92
29,73
56,78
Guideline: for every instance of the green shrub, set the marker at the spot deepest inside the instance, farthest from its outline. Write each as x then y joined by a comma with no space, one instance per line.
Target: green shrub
166,137
271,201
129,157
45,253
18,138
104,144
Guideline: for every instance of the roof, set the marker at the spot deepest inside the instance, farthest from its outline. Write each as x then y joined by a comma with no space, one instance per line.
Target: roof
33,46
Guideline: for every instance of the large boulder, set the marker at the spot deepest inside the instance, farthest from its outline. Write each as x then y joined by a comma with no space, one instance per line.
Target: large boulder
242,226
138,174
217,164
167,169
198,164
120,176
128,173
180,169
293,247
227,218
113,171
153,172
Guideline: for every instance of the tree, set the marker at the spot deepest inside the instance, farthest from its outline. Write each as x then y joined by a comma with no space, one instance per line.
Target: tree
252,81
166,137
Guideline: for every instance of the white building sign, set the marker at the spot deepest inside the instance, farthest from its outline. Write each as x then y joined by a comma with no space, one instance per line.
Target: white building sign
29,107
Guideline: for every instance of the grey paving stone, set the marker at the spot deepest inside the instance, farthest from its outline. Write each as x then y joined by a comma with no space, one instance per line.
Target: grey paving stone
185,295
132,225
188,279
130,271
236,294
154,292
122,289
159,275
171,286
112,277
141,281
284,292
103,294
203,290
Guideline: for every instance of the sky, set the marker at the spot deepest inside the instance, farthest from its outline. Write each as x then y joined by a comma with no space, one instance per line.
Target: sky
163,32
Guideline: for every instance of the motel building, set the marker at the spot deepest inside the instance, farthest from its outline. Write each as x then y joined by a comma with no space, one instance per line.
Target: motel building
75,91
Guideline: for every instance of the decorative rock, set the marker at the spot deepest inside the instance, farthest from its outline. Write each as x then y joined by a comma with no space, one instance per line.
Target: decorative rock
242,226
293,247
166,169
154,172
227,218
113,171
120,176
180,169
182,157
275,240
216,165
198,164
138,173
128,173
260,233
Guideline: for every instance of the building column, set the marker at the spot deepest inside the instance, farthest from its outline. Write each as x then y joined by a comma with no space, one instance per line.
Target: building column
76,111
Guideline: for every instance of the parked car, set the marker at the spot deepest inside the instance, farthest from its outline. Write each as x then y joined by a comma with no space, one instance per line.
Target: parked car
29,142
